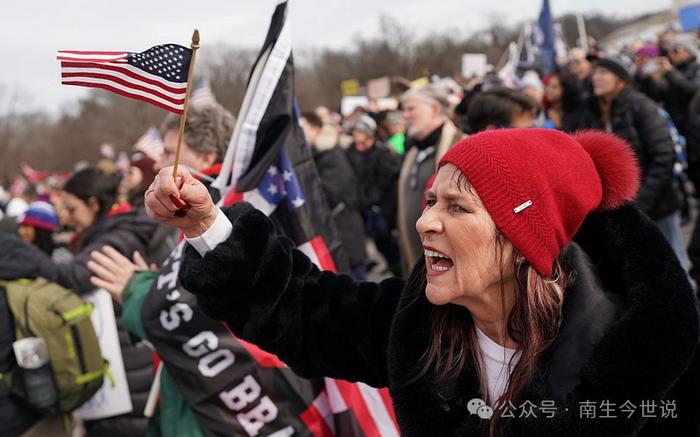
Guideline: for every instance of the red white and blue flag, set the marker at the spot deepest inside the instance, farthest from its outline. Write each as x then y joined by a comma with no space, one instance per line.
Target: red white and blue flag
157,76
269,164
34,176
232,386
202,95
150,143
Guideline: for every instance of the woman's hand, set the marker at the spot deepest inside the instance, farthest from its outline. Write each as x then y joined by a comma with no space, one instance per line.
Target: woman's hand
113,270
183,203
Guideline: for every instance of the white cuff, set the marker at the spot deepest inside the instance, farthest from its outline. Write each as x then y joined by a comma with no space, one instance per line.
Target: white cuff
217,232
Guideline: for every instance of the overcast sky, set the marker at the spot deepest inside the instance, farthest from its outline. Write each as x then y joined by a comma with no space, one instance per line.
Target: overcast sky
31,31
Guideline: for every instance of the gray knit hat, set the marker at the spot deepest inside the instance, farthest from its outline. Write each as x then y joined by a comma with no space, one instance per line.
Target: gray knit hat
366,124
686,41
619,64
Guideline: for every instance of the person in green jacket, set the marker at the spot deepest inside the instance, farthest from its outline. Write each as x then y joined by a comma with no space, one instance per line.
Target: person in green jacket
128,283
396,127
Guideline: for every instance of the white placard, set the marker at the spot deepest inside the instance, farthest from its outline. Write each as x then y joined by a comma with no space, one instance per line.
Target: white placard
349,103
108,401
474,65
387,104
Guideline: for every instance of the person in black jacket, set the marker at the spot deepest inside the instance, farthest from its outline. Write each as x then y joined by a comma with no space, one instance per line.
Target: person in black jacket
16,262
89,198
339,185
207,132
681,79
377,171
543,306
619,109
580,67
693,140
681,82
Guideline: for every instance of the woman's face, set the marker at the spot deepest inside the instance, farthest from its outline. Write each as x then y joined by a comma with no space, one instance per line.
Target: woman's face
606,83
79,215
188,157
133,179
26,233
464,259
553,90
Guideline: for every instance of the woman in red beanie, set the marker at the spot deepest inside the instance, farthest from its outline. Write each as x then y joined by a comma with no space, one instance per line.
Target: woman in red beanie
546,303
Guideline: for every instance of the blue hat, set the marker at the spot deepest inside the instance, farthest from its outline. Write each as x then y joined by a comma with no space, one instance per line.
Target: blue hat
40,215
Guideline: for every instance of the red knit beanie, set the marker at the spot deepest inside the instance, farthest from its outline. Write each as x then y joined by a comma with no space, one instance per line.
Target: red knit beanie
539,185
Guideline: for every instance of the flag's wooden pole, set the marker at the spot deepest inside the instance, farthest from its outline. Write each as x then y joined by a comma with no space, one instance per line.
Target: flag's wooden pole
153,394
190,78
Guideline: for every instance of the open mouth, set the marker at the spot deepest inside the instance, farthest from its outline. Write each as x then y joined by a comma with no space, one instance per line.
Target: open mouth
437,262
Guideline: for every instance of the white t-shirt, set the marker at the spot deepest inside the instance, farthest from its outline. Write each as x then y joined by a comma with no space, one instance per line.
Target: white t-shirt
497,363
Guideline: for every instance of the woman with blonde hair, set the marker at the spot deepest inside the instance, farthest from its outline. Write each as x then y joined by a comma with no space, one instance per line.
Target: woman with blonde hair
546,303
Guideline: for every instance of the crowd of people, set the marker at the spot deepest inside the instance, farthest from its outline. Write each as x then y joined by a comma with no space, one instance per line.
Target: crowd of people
647,94
375,167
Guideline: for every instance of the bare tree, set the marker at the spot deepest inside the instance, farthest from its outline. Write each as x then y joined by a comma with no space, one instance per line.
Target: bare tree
56,143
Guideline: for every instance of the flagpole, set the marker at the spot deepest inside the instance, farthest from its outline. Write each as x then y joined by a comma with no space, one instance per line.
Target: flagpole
190,77
582,31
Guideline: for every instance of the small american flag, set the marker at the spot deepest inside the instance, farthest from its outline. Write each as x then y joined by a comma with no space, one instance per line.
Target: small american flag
150,143
157,76
202,95
276,174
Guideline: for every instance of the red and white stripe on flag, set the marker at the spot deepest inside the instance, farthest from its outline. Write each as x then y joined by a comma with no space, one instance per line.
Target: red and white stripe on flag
372,407
318,253
33,175
111,71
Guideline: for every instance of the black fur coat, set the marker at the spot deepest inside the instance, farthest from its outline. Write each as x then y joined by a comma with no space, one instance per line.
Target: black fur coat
628,336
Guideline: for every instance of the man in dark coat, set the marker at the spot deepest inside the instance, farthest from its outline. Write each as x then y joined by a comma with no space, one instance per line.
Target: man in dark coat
429,134
377,171
339,185
681,82
619,109
681,79
580,67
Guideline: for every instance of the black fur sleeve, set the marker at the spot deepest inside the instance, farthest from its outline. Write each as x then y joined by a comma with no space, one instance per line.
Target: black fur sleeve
271,294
